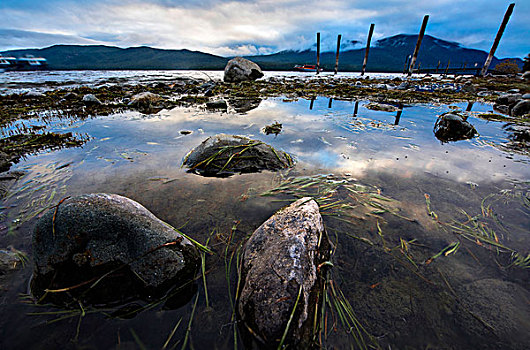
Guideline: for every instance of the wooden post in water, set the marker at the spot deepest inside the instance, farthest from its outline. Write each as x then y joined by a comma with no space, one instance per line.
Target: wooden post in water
318,52
418,44
355,109
405,69
370,32
447,68
497,39
330,102
312,102
398,115
438,66
337,56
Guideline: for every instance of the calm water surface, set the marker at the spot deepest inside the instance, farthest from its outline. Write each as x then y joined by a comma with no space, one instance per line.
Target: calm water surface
472,298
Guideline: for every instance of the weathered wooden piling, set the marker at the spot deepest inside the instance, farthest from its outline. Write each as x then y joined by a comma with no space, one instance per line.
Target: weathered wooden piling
356,109
318,52
438,66
398,115
406,67
447,67
312,102
418,44
337,56
497,39
365,61
330,103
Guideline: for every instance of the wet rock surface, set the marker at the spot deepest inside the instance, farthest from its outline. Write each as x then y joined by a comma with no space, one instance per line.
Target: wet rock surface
224,155
11,260
522,107
453,127
110,239
492,306
279,267
240,69
7,179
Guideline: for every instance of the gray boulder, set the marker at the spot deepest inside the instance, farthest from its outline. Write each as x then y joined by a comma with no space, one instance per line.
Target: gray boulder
521,108
526,76
94,235
280,266
240,69
453,127
91,100
223,155
508,99
145,99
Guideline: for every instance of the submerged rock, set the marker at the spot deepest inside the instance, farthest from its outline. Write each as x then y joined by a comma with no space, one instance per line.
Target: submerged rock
223,155
7,179
10,261
95,235
280,266
240,69
502,308
453,127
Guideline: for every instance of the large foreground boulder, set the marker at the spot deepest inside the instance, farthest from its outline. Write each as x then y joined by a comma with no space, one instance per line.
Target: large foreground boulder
111,240
240,69
453,127
280,269
224,155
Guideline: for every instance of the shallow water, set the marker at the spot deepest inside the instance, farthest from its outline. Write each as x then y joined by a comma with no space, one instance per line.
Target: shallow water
19,82
472,298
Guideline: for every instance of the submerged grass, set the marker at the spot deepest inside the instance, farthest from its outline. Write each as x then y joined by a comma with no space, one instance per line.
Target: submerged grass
341,197
485,229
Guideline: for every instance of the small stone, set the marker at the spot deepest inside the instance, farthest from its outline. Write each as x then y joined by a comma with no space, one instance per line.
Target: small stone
508,99
381,107
521,108
91,100
145,99
453,127
33,94
217,104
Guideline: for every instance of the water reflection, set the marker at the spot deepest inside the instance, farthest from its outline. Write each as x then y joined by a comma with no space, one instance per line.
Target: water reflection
140,156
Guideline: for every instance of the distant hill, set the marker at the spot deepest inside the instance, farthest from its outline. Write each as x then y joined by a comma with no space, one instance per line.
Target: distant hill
108,57
388,55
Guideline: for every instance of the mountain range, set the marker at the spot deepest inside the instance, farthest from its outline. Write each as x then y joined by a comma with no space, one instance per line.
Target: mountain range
387,55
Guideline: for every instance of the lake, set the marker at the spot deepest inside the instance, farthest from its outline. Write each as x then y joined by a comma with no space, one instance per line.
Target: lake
427,235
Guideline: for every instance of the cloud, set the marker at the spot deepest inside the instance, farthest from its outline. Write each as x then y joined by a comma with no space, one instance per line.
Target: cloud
255,26
13,39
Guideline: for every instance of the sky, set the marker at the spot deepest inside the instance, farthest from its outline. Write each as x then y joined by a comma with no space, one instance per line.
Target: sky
247,27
